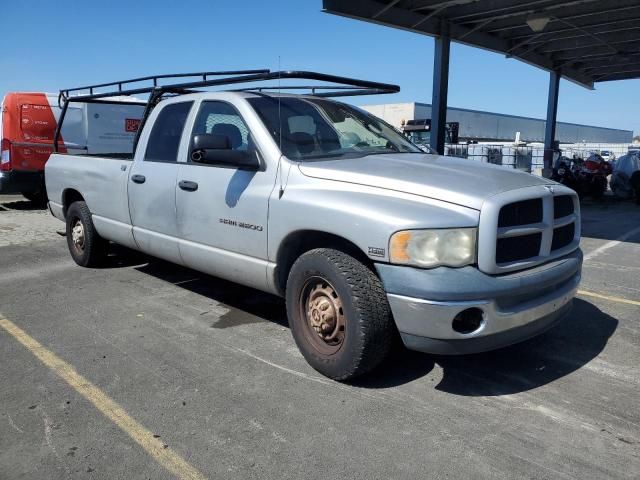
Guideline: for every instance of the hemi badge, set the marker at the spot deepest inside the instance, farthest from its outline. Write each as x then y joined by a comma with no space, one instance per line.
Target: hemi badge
376,252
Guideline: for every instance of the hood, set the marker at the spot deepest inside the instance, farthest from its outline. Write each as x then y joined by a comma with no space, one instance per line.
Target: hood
455,180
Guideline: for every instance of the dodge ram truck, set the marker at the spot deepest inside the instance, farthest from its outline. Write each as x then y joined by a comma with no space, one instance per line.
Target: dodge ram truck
366,237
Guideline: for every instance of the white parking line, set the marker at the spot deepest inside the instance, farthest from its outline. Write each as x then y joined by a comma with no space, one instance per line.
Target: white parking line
611,244
164,455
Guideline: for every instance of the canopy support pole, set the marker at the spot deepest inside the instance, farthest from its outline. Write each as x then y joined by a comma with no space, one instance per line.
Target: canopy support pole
440,91
550,126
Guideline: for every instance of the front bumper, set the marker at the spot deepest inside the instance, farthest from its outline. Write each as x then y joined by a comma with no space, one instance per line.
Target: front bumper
514,306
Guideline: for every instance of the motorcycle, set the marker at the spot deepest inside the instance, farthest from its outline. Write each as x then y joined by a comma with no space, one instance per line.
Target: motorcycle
593,176
563,172
587,178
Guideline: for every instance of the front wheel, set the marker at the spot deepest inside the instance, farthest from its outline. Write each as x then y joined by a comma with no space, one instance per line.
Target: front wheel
338,314
86,246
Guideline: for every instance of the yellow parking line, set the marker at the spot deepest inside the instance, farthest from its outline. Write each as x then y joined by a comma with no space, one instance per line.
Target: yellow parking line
114,412
606,297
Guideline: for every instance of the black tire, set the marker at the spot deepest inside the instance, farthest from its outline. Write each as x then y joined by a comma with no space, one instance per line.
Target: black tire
368,330
598,190
87,248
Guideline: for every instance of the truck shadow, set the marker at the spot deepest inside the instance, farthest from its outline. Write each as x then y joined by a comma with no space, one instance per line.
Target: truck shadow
562,350
20,204
246,305
120,257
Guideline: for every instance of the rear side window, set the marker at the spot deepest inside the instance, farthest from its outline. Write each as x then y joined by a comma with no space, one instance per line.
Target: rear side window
166,133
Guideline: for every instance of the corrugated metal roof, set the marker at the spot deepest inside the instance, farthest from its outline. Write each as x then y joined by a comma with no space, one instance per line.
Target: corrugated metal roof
588,41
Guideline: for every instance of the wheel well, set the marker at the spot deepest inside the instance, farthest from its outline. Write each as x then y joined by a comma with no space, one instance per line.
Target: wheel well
68,197
302,241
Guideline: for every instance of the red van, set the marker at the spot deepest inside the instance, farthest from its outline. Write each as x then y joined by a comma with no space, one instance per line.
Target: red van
27,127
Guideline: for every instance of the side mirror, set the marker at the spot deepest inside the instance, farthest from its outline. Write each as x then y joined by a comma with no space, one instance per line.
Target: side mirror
216,150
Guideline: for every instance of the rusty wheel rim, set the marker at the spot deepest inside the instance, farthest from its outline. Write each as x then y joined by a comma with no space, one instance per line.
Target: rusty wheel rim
77,235
323,315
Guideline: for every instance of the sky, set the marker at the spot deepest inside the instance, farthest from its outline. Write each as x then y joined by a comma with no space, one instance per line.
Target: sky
49,45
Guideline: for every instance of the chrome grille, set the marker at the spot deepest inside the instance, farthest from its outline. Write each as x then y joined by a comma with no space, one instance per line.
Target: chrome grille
563,236
526,227
562,206
511,249
520,213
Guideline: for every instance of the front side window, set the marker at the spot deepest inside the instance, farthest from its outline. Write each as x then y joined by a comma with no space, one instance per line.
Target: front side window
166,133
220,118
308,128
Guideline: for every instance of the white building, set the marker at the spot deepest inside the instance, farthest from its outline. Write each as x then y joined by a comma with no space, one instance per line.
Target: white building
497,127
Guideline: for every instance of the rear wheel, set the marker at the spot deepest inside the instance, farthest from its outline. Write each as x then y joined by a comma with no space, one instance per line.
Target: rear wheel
338,314
86,246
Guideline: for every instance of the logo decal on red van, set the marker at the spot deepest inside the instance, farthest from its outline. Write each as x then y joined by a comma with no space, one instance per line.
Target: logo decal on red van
131,124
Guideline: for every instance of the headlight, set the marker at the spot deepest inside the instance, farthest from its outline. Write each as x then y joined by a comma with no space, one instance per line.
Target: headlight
452,247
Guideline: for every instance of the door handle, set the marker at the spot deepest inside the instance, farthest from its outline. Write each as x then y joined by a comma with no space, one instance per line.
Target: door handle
138,178
188,185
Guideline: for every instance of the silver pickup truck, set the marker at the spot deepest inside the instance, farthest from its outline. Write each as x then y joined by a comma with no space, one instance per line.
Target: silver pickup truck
365,235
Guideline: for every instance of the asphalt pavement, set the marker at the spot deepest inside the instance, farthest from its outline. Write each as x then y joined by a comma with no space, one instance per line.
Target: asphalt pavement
146,370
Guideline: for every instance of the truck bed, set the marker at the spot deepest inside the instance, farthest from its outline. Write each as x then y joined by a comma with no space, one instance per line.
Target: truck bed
101,181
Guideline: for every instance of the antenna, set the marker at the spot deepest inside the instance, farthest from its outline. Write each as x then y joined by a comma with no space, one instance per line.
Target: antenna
279,111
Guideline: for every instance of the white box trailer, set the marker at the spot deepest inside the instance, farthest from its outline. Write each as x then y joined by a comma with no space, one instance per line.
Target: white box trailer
100,128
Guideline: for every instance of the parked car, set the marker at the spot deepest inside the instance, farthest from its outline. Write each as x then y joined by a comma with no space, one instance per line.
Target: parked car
607,155
364,238
27,126
625,180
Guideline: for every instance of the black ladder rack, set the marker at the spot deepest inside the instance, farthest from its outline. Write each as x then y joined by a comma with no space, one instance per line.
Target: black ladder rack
344,87
351,86
65,94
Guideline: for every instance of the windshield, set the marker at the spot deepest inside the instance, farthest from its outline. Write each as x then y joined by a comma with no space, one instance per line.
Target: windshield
308,128
420,137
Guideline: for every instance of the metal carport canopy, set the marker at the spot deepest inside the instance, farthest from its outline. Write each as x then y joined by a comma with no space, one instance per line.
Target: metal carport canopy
585,41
